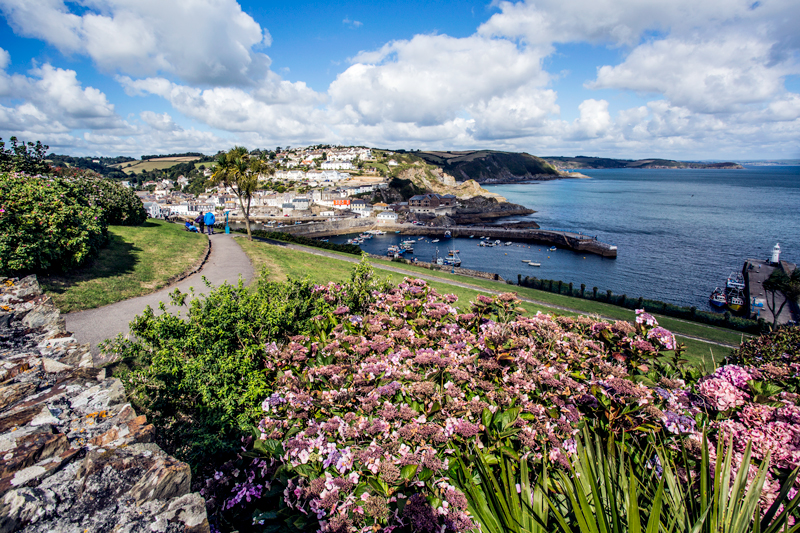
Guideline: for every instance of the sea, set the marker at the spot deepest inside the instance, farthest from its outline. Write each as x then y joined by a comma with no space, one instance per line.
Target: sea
679,232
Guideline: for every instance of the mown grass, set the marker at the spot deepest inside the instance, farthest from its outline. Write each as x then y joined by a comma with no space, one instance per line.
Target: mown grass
578,305
282,263
137,261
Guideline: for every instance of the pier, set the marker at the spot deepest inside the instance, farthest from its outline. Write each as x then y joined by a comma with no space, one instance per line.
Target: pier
562,239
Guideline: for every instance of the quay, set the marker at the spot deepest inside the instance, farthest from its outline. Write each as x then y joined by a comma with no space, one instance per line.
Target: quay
758,301
563,239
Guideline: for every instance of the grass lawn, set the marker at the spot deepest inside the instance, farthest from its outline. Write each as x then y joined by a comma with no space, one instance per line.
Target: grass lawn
137,261
282,263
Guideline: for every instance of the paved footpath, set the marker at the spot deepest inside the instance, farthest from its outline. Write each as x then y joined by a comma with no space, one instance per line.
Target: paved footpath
227,262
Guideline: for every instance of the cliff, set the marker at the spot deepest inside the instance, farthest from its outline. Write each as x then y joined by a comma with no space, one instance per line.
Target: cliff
567,163
491,166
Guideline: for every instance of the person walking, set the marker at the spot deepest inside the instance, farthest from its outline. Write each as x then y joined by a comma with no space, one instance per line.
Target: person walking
199,221
210,220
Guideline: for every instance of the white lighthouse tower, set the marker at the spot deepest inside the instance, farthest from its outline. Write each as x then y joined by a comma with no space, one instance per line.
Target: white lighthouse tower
776,254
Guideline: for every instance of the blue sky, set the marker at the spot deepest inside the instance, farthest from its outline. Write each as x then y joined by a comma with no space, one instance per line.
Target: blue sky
623,78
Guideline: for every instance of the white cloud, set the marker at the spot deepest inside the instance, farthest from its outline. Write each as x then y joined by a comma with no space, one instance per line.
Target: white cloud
432,79
159,121
352,23
197,40
276,109
705,76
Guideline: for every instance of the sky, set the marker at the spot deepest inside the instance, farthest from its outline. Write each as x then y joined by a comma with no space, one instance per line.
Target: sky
676,79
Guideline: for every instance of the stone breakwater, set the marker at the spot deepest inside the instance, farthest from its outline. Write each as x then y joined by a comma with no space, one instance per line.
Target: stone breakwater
74,456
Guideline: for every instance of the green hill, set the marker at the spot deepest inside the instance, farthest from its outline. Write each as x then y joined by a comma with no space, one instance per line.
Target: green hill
490,166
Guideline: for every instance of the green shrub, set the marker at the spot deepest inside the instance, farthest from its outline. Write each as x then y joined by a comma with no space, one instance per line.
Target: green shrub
203,379
46,224
120,205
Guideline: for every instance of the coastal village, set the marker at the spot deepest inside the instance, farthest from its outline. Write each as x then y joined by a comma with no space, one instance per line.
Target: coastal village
303,183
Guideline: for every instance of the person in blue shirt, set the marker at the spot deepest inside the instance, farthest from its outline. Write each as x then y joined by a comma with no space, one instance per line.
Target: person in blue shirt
209,219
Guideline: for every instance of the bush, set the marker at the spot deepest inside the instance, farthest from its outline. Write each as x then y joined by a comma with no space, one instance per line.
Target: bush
203,379
120,205
46,224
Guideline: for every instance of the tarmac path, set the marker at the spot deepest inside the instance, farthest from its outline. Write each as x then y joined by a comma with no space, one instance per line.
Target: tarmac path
226,262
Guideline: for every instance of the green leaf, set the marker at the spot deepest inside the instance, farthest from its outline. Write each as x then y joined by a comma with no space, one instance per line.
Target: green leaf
408,472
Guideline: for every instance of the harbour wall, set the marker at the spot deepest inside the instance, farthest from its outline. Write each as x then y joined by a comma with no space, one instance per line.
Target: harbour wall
563,239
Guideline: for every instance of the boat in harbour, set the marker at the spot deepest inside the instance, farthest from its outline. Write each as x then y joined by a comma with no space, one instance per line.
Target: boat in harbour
735,282
552,249
452,259
718,298
735,300
447,234
509,243
435,240
531,263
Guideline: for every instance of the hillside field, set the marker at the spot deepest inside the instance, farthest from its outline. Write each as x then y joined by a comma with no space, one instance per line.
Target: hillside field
160,163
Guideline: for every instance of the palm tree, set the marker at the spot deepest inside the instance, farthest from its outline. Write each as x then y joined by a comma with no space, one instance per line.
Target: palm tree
237,170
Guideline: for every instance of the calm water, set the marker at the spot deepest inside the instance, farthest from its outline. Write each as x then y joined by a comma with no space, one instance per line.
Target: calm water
679,232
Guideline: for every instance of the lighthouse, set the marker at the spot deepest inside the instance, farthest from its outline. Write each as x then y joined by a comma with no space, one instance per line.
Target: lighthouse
776,254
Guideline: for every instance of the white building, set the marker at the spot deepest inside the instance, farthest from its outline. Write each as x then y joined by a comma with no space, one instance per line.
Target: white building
337,165
387,217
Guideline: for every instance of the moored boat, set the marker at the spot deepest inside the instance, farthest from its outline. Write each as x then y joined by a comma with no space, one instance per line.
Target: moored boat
735,282
735,300
718,298
531,263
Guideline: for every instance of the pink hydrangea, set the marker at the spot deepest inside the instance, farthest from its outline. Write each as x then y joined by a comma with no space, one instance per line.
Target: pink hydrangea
722,394
733,374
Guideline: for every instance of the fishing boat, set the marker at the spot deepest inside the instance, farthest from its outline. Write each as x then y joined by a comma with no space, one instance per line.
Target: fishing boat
718,298
509,243
735,282
531,263
447,234
497,243
735,300
435,240
452,258
436,260
552,248
406,248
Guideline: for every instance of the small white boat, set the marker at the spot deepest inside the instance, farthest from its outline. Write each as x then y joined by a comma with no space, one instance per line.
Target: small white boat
534,264
508,243
435,240
552,248
472,236
526,260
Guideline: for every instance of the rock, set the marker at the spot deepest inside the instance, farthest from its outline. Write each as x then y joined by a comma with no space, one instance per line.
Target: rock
74,456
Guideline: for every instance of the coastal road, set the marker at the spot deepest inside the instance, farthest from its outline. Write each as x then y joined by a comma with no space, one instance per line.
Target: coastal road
354,259
226,262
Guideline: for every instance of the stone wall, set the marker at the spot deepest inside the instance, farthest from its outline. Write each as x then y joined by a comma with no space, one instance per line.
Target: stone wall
73,454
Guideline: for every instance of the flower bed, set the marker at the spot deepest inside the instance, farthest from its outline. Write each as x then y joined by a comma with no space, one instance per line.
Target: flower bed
369,412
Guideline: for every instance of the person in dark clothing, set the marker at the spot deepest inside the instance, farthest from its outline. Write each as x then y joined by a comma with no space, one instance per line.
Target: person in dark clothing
200,222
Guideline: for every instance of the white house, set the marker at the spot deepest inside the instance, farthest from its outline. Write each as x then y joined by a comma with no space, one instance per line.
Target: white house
301,203
336,165
387,217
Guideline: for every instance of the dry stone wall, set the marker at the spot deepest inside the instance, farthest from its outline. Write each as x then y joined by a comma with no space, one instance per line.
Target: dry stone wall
74,456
